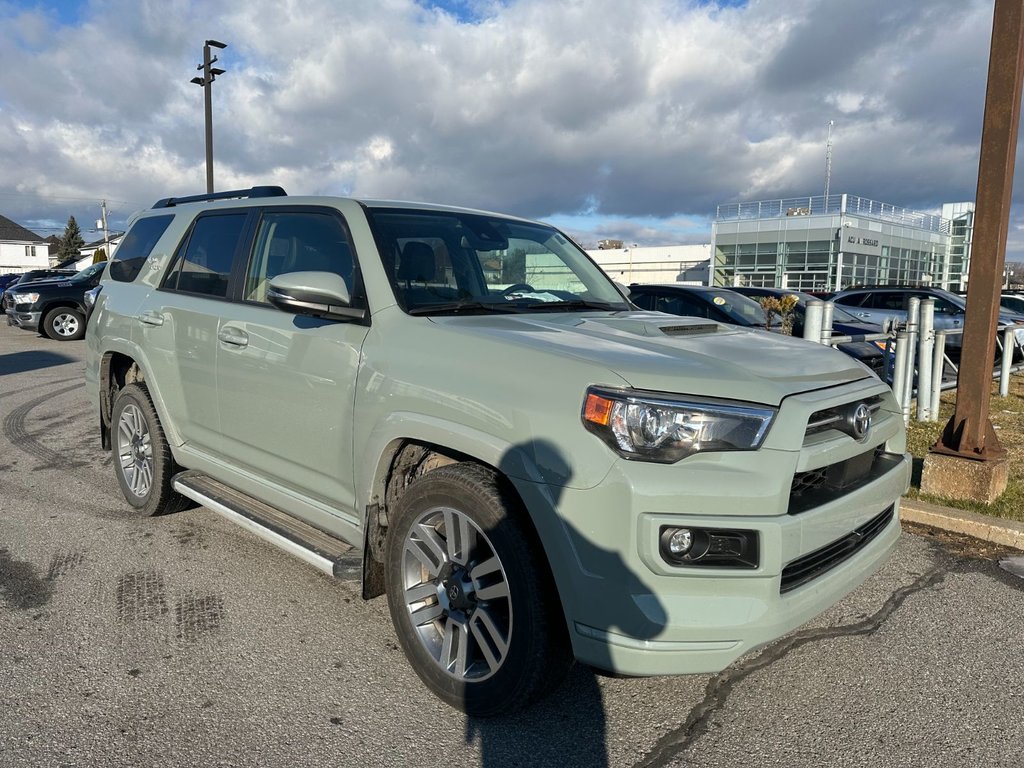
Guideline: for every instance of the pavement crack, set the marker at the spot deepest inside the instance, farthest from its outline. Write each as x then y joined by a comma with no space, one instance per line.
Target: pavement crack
678,740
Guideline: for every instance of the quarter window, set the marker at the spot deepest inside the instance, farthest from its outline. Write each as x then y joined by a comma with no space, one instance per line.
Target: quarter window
205,265
136,246
297,242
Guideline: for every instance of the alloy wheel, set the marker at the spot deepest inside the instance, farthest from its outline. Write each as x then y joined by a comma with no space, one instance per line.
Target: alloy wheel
134,450
457,594
64,324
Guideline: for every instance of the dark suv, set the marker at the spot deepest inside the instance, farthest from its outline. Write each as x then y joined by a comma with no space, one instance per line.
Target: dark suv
55,307
728,306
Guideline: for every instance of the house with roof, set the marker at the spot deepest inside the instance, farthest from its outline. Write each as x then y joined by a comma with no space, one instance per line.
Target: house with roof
87,254
21,249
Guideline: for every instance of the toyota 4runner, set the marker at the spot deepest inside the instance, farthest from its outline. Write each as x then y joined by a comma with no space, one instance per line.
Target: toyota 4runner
461,408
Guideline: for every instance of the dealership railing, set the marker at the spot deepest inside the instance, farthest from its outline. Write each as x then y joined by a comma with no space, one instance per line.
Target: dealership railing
917,365
818,205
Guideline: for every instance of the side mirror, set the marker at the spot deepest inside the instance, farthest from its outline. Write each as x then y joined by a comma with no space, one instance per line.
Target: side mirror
319,294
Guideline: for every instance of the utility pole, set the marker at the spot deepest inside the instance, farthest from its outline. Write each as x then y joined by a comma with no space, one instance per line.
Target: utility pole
828,162
206,81
969,434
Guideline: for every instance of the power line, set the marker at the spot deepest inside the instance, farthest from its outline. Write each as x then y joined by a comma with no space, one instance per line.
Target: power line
77,199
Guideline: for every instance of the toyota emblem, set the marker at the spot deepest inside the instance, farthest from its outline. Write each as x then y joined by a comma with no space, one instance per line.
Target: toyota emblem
860,421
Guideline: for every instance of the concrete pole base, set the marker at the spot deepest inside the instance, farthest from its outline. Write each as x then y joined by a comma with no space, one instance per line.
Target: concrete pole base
954,477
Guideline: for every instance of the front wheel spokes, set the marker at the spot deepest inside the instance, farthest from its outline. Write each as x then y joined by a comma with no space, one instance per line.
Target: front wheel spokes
455,648
492,642
428,547
460,538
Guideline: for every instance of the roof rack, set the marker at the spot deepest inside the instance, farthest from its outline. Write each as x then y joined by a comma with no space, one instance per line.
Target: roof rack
170,202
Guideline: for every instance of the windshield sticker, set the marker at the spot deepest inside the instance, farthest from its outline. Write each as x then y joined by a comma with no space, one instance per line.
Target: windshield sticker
719,300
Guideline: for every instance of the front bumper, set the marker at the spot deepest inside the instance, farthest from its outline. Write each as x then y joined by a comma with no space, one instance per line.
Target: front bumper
27,320
631,612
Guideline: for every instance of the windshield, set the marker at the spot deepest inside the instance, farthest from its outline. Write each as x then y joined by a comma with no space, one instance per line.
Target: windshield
446,262
88,272
740,309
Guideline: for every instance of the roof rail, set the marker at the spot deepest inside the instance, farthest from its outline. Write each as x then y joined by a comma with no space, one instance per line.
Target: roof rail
170,202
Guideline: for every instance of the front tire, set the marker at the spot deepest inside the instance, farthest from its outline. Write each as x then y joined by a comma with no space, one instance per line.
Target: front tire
471,596
142,458
64,324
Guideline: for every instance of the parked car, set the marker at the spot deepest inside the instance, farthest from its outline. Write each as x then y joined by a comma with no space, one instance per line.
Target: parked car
876,304
56,308
1012,302
8,279
33,275
727,305
465,407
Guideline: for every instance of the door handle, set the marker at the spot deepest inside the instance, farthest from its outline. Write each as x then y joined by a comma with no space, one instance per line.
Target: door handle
149,317
233,336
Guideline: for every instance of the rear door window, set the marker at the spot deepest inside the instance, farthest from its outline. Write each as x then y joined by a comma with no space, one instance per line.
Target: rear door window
204,260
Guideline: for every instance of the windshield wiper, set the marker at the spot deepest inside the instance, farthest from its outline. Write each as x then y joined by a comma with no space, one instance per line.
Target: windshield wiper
574,304
467,305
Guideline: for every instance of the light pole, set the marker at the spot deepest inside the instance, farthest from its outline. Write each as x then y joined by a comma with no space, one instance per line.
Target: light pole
209,75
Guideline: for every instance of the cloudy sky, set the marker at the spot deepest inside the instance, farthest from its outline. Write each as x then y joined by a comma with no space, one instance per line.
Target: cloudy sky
609,118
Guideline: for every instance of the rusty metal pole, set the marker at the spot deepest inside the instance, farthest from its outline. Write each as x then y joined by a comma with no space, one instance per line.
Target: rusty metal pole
969,432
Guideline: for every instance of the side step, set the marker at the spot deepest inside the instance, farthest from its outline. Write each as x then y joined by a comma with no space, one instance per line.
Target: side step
321,550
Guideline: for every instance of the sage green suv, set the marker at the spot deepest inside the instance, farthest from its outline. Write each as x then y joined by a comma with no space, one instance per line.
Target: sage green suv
462,410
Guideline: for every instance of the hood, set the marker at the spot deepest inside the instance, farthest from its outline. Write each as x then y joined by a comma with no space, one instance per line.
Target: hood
665,353
40,282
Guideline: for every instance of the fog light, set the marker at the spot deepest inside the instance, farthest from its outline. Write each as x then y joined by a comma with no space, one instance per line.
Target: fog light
709,547
680,541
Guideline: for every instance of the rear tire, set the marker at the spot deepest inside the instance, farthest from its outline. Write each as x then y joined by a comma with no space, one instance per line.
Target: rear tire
471,595
142,458
64,324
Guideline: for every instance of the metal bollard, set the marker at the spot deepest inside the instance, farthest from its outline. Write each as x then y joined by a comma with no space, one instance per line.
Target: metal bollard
899,373
826,323
913,320
1004,370
938,367
924,356
812,320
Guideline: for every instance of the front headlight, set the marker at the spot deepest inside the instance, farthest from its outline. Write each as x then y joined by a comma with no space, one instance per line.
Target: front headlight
663,429
90,296
25,298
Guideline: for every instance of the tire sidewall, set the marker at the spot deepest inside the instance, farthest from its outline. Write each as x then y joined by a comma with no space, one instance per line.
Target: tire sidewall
133,394
512,681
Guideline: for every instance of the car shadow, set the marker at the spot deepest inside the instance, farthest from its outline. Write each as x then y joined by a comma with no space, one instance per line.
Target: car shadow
568,727
33,360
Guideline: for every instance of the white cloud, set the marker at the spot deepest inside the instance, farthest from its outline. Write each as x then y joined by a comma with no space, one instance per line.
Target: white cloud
626,111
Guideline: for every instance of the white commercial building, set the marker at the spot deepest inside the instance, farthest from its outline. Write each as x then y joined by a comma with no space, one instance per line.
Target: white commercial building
684,264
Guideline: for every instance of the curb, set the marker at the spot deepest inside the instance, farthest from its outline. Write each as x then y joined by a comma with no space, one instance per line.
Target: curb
1008,533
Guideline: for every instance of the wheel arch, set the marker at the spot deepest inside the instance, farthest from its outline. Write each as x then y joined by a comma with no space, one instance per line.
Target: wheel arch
399,459
121,366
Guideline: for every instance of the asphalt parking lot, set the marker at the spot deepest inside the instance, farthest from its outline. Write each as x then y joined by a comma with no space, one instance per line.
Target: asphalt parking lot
184,641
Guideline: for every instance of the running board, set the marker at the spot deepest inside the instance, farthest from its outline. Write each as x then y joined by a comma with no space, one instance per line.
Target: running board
321,550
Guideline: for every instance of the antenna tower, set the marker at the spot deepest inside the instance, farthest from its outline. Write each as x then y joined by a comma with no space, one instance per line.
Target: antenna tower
828,161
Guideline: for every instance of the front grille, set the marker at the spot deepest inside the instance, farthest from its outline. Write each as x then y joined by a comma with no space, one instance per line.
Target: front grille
836,417
820,486
814,564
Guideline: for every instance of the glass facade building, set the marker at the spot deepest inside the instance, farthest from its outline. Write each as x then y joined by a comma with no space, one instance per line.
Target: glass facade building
826,244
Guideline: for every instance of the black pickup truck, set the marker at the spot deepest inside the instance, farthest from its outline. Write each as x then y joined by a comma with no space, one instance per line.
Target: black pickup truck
55,307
